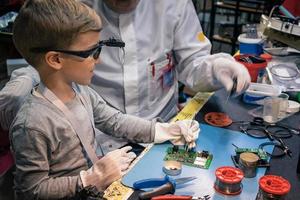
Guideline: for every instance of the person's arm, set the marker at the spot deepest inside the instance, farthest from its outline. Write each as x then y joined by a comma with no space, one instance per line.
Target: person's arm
114,122
137,129
14,92
32,151
197,69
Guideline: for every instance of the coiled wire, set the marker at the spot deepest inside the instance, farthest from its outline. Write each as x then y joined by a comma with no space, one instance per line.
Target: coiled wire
228,180
228,189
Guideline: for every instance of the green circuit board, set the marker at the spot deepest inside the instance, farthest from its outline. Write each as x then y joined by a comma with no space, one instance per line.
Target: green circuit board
260,152
200,159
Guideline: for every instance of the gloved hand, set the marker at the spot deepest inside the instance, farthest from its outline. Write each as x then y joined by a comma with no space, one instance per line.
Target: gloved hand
226,69
179,132
108,169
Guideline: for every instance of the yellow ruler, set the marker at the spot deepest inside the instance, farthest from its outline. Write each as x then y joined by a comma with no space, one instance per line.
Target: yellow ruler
193,106
117,191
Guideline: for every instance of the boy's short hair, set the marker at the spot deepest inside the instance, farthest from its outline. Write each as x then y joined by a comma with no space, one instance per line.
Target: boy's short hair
51,24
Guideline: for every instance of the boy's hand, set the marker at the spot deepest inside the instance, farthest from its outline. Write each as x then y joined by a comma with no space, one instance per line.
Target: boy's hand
107,169
123,157
179,132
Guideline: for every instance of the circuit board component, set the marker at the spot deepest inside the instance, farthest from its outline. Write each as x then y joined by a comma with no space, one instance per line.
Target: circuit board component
262,155
260,152
200,159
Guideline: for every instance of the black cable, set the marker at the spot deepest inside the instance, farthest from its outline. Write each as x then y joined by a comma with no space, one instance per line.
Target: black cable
275,144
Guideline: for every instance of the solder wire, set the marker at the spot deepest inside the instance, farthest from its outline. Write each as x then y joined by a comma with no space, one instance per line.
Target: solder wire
265,195
228,189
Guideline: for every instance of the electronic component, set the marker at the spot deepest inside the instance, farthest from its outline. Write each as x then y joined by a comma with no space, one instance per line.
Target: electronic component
200,159
263,156
260,152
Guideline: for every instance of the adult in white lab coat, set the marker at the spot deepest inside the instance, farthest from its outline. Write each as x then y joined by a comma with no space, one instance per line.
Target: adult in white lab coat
164,44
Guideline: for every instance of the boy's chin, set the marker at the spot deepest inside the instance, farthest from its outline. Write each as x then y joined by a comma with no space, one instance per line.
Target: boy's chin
85,82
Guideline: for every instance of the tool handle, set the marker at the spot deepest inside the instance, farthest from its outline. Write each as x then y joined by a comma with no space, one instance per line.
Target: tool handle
167,188
150,182
171,197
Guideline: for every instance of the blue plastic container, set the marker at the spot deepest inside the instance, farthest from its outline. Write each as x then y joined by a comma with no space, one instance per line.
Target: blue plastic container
250,45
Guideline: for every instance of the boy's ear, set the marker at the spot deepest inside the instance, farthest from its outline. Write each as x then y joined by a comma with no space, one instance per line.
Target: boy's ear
53,60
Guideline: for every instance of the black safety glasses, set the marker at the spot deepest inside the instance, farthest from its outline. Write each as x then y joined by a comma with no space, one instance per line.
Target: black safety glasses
94,52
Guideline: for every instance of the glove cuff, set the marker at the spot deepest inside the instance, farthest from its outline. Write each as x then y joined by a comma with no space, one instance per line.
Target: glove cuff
168,132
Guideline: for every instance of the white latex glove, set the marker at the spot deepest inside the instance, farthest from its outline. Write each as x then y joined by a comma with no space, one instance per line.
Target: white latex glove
108,169
225,70
179,132
123,157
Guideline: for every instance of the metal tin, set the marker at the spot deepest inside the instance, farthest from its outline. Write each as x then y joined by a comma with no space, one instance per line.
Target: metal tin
273,188
228,180
172,168
248,164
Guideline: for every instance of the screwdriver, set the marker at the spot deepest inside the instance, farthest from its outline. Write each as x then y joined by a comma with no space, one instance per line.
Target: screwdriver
233,89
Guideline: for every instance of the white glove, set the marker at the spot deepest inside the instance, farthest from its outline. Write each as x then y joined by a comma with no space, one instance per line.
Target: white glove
123,157
179,132
225,70
108,169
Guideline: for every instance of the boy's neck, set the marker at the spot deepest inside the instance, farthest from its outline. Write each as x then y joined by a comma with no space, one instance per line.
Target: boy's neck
61,89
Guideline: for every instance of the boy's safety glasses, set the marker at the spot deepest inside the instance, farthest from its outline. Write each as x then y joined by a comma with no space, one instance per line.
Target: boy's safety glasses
94,52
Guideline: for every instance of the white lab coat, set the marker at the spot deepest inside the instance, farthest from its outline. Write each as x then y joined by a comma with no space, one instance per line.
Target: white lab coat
153,30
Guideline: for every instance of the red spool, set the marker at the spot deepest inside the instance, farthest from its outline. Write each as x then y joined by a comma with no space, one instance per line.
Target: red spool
228,180
275,185
217,119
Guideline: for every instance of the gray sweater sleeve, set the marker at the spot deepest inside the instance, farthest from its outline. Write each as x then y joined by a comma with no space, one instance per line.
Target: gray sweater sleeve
111,121
15,91
32,179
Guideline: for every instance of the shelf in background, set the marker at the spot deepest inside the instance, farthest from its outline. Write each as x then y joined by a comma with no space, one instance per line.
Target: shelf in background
240,8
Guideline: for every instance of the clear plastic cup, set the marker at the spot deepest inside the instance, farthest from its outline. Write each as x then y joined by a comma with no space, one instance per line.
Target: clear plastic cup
284,104
271,109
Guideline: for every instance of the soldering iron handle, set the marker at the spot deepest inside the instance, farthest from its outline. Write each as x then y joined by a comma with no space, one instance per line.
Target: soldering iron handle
167,188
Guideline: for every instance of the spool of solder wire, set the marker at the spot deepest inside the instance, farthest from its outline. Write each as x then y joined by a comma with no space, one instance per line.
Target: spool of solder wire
172,167
228,180
273,187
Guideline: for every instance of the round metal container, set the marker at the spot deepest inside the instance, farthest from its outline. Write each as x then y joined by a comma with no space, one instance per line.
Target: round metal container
248,164
172,168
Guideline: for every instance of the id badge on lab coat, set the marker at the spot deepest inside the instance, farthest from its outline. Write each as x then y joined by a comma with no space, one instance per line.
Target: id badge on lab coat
168,77
161,77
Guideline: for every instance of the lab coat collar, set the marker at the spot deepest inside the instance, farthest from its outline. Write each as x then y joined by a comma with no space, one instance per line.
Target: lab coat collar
110,12
107,13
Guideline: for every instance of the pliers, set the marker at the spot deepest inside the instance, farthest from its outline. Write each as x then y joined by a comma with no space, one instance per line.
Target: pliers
179,197
161,186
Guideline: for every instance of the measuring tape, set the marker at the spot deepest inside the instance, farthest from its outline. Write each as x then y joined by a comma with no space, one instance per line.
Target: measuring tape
193,106
117,191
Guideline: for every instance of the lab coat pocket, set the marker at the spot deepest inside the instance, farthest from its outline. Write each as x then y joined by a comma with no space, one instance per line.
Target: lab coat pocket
160,77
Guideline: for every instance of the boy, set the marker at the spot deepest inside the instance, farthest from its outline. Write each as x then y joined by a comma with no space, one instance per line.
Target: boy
53,135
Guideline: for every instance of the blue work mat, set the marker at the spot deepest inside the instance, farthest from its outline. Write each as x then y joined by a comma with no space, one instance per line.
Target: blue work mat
217,141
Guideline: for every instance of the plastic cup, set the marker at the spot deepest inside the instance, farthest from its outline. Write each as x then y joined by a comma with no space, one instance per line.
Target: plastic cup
284,104
271,109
